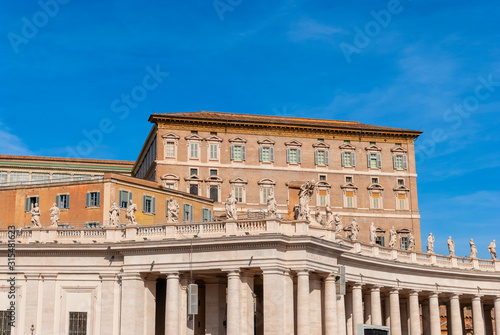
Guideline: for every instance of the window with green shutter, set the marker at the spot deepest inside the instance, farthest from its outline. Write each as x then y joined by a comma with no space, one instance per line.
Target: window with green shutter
124,198
207,215
62,201
187,213
30,203
149,204
93,199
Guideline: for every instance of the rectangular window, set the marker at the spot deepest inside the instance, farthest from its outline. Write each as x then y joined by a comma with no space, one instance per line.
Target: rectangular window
374,180
213,172
238,152
193,152
61,177
30,203
170,149
93,199
214,193
265,154
149,204
187,213
400,162
380,240
266,191
372,143
322,197
401,182
293,156
320,157
193,189
347,142
349,199
398,145
124,198
404,243
19,178
207,215
349,159
62,201
322,177
193,172
348,179
40,178
77,177
170,186
5,326
402,201
238,193
372,163
214,151
3,178
376,200
77,323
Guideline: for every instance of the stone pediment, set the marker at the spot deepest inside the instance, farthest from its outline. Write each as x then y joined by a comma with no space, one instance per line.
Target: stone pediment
266,181
321,145
170,136
293,143
399,150
349,185
380,230
237,139
193,178
376,187
193,137
267,141
347,146
323,184
238,180
213,138
373,148
169,176
214,179
403,231
401,188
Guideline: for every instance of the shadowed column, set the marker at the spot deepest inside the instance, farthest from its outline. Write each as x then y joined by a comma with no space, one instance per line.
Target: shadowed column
357,307
477,316
233,302
414,313
303,324
434,314
172,305
330,306
455,316
376,308
395,314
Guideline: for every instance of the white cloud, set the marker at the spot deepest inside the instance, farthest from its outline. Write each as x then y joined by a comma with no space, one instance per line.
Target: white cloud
309,29
10,144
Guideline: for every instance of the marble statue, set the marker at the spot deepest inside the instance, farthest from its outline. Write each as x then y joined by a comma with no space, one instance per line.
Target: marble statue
130,215
392,238
114,215
305,194
451,246
354,230
272,206
318,217
473,249
492,248
173,211
35,216
231,210
338,225
54,213
373,233
329,217
411,241
430,243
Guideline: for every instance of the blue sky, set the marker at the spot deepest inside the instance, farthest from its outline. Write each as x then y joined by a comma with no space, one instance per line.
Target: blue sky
67,68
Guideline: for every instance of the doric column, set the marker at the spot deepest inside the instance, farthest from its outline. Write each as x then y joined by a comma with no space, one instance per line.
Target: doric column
330,306
395,315
132,304
497,315
387,311
289,302
233,302
376,306
477,315
435,318
274,303
215,306
172,304
455,319
357,307
348,312
367,308
341,322
414,313
303,324
149,303
247,305
315,308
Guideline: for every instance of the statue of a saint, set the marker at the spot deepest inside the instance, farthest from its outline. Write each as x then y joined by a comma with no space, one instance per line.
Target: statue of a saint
492,248
318,217
430,243
373,233
329,217
392,238
451,246
473,249
272,206
173,211
305,193
54,213
231,210
338,225
411,241
114,215
35,216
130,215
354,230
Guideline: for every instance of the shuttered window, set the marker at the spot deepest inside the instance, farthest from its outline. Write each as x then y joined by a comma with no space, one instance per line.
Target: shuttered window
187,213
214,193
238,193
170,149
322,197
402,201
207,215
376,200
214,151
293,156
349,199
148,204
62,201
30,203
400,162
238,152
124,198
348,159
93,199
266,191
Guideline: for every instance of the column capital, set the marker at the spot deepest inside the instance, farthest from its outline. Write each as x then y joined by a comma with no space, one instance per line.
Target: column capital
273,270
414,293
357,285
394,290
497,298
434,294
477,297
302,272
455,295
172,275
330,277
233,273
375,288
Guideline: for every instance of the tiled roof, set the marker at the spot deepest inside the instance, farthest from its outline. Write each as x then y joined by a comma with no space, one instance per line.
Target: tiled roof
277,120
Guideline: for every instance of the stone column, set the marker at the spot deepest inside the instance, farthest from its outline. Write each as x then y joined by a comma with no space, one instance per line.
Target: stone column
315,308
330,306
426,326
497,315
375,306
108,282
395,315
247,306
387,311
132,304
182,306
341,322
455,319
31,315
403,303
274,303
289,303
435,318
488,321
477,316
357,307
150,304
348,312
233,302
215,306
303,323
367,308
172,304
414,313
48,302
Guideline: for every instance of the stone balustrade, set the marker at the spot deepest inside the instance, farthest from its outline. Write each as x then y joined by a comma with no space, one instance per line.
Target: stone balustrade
240,228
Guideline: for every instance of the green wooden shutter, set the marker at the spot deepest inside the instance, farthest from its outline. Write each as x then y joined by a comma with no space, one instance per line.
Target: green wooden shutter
287,155
394,162
191,214
153,206
353,158
58,201
271,154
166,211
243,153
260,154
379,161
315,157
299,156
87,200
185,216
98,199
327,158
343,158
120,198
67,204
232,152
368,158
144,204
27,205
405,162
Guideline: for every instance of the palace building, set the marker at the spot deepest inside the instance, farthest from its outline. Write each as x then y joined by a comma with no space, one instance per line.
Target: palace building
95,271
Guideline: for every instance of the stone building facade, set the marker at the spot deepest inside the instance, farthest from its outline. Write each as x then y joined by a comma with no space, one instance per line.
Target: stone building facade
361,171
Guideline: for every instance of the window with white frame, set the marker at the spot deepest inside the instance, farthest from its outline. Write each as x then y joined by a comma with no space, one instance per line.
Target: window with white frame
170,142
78,177
194,150
148,204
323,193
238,193
401,201
293,152
124,198
349,199
30,203
170,181
400,162
213,184
170,149
376,200
40,178
321,153
19,178
93,199
62,201
348,154
238,188
266,192
193,145
187,214
214,151
404,241
349,193
374,161
207,215
238,149
61,177
213,146
266,186
266,154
